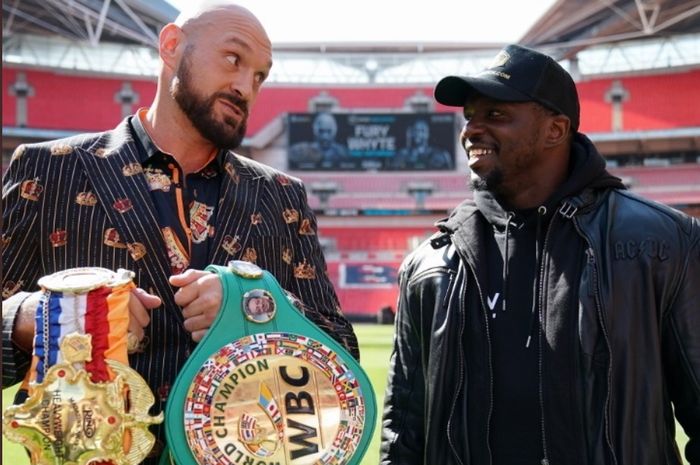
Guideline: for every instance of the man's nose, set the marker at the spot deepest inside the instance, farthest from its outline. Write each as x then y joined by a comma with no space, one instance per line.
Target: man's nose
243,84
472,127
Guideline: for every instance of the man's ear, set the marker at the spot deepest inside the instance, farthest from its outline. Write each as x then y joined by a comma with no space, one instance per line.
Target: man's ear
170,44
558,130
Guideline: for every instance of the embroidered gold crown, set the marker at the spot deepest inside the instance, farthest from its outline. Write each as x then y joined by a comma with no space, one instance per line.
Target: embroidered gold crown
61,149
231,244
31,189
304,271
87,198
132,169
290,215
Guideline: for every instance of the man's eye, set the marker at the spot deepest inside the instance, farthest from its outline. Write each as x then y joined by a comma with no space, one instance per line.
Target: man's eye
233,59
260,78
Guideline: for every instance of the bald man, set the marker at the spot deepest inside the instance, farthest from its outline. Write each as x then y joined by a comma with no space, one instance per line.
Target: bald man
324,152
164,195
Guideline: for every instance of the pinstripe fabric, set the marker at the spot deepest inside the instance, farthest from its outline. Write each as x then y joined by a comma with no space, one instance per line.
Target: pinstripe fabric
20,360
64,206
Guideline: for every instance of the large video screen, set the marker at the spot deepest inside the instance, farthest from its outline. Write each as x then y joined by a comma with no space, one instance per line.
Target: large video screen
371,142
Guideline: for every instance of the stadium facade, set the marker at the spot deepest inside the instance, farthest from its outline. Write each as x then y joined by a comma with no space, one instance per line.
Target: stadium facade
638,87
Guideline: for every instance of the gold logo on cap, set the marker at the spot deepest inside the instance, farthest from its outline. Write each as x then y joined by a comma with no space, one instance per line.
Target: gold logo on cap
500,60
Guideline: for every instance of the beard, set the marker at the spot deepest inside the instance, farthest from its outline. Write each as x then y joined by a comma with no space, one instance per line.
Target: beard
491,182
225,135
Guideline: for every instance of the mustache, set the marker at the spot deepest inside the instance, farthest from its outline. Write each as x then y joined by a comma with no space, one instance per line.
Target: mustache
233,99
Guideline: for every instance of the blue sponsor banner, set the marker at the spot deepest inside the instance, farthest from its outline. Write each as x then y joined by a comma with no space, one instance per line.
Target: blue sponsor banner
367,275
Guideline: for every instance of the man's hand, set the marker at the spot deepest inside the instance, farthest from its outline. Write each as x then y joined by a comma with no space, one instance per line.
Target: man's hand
23,332
199,296
140,302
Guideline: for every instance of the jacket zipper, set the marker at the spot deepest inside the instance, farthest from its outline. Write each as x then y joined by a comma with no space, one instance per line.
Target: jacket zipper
461,369
488,340
592,262
540,351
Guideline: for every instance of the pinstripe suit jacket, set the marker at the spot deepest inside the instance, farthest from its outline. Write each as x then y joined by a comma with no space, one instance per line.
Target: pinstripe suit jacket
64,207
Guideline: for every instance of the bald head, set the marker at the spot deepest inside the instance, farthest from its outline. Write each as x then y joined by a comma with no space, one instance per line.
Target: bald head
206,13
215,57
196,9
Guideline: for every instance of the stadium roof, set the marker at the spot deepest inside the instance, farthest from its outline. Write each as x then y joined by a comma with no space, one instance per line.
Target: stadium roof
588,36
603,36
573,25
92,21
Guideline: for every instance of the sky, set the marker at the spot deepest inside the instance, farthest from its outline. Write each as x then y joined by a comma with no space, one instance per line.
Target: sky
327,21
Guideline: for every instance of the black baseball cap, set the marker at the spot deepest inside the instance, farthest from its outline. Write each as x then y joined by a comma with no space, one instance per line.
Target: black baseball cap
517,74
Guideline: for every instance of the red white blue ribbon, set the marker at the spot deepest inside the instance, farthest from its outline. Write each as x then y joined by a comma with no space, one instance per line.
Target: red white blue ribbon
60,314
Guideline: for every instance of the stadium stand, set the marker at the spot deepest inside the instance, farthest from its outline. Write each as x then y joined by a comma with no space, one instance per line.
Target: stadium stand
653,103
644,117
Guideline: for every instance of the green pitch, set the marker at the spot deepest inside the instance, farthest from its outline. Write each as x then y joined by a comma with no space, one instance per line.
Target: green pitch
375,345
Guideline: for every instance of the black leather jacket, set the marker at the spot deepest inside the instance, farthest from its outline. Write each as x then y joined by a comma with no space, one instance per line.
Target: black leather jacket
635,350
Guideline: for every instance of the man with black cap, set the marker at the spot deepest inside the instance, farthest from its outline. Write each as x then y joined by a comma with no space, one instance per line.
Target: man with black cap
554,319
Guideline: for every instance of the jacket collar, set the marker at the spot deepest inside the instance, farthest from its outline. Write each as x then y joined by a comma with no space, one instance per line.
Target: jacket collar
113,167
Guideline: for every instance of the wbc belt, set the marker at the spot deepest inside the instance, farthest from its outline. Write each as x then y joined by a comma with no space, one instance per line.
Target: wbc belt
267,386
85,404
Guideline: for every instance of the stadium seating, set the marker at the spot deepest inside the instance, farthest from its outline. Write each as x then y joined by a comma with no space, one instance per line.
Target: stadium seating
363,260
653,102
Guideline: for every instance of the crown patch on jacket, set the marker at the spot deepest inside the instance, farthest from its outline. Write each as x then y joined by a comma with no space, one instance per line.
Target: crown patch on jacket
61,149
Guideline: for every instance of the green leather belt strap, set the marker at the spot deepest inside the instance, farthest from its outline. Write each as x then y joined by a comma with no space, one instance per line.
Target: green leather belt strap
267,386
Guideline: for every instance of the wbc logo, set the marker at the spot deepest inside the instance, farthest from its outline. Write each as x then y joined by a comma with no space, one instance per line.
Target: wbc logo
258,440
274,398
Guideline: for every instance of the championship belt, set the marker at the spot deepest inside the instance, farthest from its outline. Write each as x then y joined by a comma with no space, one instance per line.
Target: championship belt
85,404
267,386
